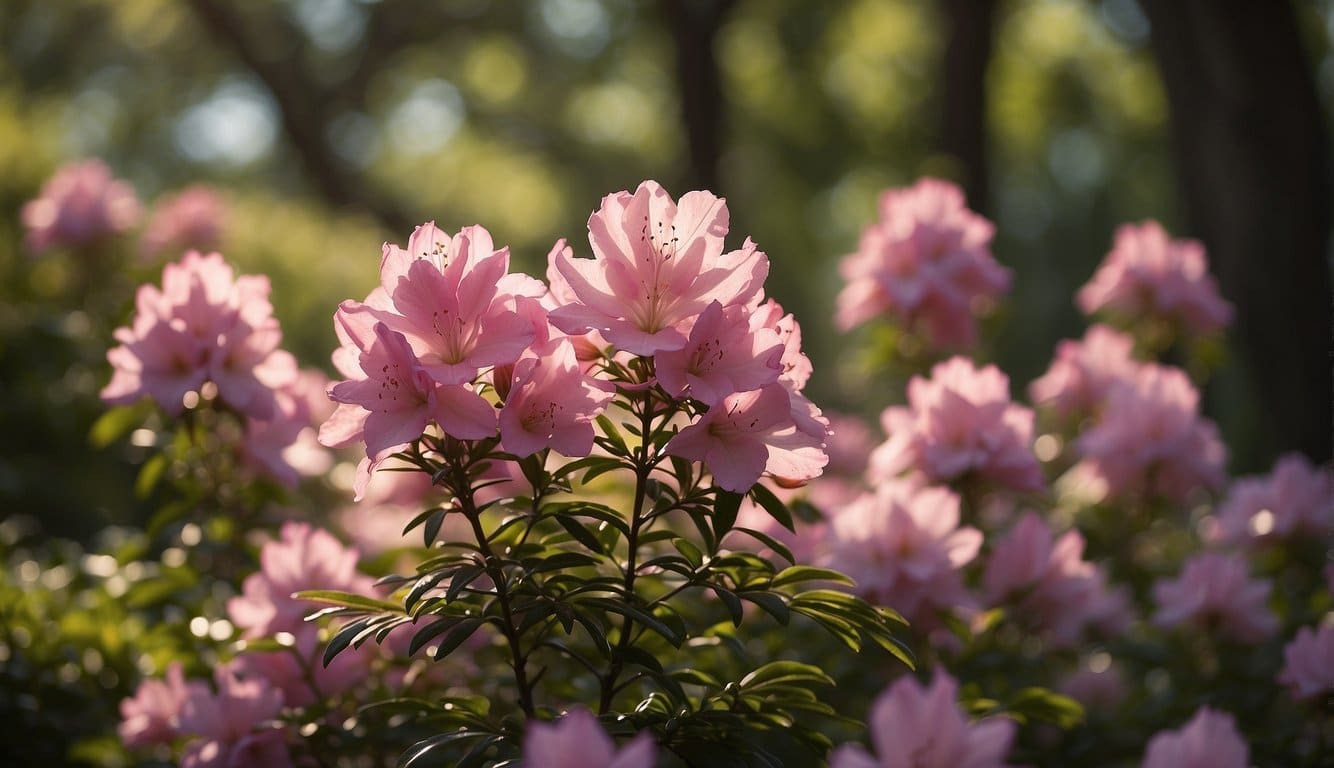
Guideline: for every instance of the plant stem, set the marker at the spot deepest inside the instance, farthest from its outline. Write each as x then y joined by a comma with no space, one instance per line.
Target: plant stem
643,466
463,493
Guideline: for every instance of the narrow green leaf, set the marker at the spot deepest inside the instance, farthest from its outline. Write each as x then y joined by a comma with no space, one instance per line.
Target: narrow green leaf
149,475
580,533
348,600
799,573
771,504
115,424
725,509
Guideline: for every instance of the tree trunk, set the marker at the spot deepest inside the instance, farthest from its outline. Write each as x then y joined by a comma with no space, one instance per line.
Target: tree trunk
695,25
970,26
1252,153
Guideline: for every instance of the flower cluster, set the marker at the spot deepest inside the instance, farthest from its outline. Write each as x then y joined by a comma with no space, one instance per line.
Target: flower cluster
81,204
190,219
207,333
1151,440
1050,583
1295,499
450,331
923,727
960,424
1209,739
1214,591
904,547
1147,274
927,262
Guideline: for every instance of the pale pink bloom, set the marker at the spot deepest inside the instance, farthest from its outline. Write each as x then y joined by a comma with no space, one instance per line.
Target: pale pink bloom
550,403
1151,439
232,725
903,547
393,400
302,558
1084,371
722,356
796,367
1308,663
1209,740
454,301
657,265
152,715
80,204
1214,591
912,726
927,262
285,447
1096,688
192,218
577,741
1296,499
751,433
299,671
204,324
1149,274
1046,579
850,445
960,422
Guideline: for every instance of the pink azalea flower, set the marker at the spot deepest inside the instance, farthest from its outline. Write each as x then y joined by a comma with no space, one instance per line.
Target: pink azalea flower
285,447
1047,579
1151,439
850,443
1308,663
393,400
231,725
299,671
204,324
657,265
454,301
1296,499
748,434
1083,372
927,262
80,204
960,422
1096,687
577,741
1209,740
551,403
1215,591
795,366
903,546
1149,274
192,218
916,727
152,715
722,356
302,558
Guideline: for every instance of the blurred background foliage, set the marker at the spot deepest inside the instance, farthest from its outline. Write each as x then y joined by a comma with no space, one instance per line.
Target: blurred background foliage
334,125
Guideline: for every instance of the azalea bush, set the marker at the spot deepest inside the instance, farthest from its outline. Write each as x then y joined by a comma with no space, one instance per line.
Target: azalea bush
593,520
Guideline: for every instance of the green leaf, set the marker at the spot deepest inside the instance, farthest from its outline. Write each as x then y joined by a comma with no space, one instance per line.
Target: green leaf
771,504
773,604
799,573
725,509
784,672
777,546
343,638
1048,706
149,475
637,614
461,631
115,424
616,443
689,551
349,600
580,533
730,600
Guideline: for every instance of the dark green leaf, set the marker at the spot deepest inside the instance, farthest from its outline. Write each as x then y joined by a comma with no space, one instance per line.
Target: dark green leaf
771,504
